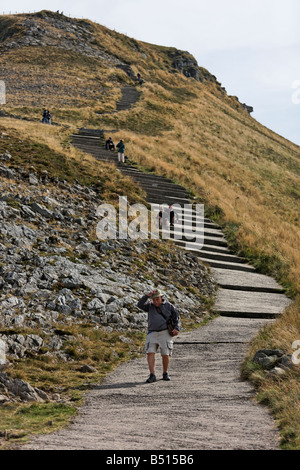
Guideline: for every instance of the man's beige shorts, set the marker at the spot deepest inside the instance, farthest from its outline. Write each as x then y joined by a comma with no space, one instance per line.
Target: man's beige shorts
159,339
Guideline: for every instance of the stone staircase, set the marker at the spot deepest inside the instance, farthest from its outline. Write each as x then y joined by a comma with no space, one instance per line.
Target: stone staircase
130,95
242,291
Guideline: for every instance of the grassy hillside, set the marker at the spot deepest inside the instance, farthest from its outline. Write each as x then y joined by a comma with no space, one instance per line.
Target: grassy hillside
186,128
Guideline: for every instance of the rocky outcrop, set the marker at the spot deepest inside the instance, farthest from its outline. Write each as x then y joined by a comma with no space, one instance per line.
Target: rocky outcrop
274,361
52,29
54,270
18,390
248,108
184,63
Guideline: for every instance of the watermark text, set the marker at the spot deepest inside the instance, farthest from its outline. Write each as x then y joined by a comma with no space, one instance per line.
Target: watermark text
2,92
296,94
163,221
2,353
296,354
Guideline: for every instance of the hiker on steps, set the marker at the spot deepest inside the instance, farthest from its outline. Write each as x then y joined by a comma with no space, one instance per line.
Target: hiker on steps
109,145
139,79
121,150
158,336
46,117
163,217
167,217
173,216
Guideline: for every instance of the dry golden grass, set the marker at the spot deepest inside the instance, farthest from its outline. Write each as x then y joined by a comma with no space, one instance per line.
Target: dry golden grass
281,394
47,147
190,131
232,162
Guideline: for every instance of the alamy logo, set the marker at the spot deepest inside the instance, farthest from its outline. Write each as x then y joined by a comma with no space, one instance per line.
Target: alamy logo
161,222
2,352
296,94
2,92
296,354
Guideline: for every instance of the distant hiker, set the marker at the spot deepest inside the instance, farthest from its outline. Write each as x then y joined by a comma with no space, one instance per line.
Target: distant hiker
121,150
160,218
46,117
173,215
45,114
49,117
139,79
158,336
163,218
109,145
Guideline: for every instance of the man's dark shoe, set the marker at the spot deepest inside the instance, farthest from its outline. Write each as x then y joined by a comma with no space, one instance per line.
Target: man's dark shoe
151,378
166,376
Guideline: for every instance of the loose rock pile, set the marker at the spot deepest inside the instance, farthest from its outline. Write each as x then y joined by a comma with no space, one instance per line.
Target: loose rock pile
54,270
275,362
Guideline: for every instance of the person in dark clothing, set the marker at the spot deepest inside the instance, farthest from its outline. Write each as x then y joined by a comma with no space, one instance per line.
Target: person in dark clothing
46,117
121,150
45,114
159,312
139,79
49,117
173,216
109,144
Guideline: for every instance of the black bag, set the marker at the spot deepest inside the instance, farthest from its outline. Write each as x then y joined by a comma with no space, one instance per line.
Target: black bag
170,325
170,322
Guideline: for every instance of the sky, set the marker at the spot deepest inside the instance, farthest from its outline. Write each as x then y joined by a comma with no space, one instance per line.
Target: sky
251,46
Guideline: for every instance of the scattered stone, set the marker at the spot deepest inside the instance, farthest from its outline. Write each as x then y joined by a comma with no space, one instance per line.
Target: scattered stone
87,369
20,389
275,361
3,399
41,210
53,273
33,179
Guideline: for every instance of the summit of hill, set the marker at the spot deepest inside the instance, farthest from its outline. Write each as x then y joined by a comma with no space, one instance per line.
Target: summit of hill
66,61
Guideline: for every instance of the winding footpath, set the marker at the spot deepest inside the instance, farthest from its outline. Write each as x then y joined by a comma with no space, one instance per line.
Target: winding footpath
206,405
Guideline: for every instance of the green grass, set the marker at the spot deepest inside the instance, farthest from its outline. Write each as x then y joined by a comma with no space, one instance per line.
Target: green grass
18,420
95,347
27,153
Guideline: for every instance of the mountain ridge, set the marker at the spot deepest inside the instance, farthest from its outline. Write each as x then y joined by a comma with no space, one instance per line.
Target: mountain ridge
53,30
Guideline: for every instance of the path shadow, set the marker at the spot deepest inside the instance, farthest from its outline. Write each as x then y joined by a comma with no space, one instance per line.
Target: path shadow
117,385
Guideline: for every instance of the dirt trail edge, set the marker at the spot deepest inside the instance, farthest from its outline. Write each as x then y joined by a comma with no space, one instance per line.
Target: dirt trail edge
206,406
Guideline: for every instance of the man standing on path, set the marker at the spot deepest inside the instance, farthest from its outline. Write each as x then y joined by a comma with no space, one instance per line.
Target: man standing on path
159,312
121,150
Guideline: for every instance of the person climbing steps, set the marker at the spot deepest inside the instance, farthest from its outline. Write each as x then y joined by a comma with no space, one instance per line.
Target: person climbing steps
121,150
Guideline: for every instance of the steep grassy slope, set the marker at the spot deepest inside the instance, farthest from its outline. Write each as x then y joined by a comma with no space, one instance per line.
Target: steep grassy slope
184,127
230,161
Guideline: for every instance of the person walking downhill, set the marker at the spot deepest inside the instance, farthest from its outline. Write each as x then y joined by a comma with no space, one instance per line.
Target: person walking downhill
121,150
158,336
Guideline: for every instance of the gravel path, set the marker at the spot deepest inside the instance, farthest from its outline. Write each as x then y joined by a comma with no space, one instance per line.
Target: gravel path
204,407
